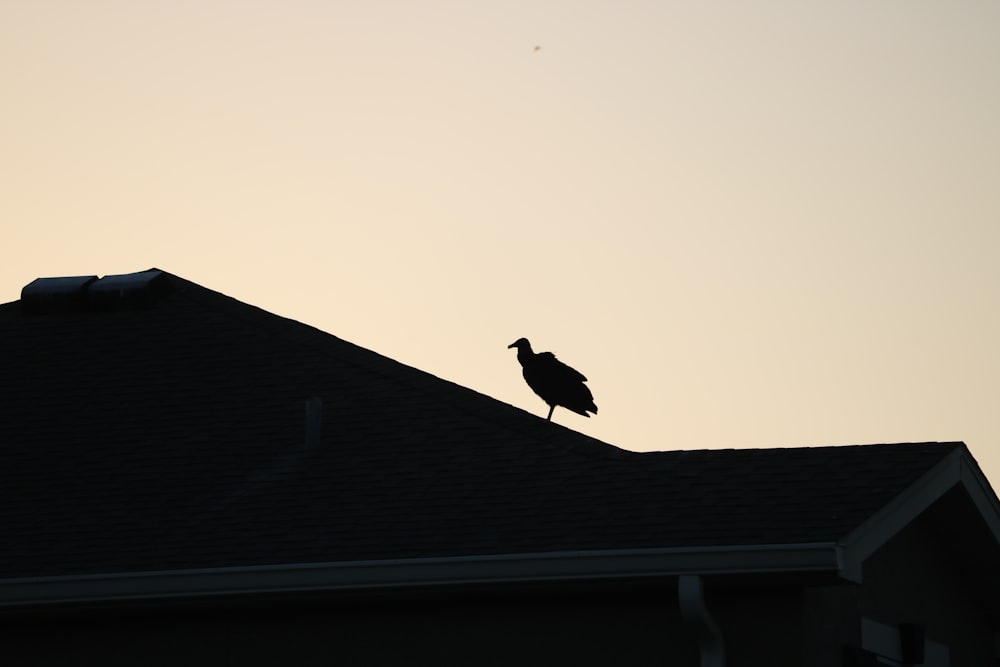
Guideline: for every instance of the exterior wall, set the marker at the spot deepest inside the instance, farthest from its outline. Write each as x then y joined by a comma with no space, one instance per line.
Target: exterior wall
760,625
830,622
584,629
917,579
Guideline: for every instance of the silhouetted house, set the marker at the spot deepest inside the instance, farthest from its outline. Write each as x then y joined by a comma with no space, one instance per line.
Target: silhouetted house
189,480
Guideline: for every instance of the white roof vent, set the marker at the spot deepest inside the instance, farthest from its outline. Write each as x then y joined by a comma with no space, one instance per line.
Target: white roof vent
127,291
65,295
82,293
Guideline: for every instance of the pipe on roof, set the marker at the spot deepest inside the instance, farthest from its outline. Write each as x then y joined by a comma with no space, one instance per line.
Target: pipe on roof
314,421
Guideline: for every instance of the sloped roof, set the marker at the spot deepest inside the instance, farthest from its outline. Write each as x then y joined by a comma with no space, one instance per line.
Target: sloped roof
167,433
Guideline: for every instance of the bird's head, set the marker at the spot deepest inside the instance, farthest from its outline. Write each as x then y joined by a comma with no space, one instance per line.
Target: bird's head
520,344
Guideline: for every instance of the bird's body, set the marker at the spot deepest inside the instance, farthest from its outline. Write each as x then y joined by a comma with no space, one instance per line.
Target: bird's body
555,382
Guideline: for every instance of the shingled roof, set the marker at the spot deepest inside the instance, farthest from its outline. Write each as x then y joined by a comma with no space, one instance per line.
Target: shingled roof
149,424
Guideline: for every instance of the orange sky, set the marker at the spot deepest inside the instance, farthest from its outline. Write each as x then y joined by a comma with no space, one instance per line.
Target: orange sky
757,224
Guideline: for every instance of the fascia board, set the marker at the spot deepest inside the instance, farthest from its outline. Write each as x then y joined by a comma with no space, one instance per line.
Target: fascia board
982,494
417,573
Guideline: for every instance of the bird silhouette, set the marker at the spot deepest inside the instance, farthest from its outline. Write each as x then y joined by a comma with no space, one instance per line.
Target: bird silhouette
555,382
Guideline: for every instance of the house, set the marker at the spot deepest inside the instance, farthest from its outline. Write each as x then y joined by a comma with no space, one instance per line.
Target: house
188,479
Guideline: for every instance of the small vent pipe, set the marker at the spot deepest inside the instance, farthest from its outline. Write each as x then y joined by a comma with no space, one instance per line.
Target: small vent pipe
314,421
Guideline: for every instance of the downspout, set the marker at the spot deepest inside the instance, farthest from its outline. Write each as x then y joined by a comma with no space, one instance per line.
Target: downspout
695,614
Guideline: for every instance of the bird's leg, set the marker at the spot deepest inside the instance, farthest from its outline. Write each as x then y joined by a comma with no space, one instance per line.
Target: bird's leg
551,408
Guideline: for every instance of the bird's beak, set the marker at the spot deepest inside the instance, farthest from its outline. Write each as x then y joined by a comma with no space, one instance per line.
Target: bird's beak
511,345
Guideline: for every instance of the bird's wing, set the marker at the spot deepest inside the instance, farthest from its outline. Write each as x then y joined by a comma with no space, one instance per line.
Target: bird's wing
558,368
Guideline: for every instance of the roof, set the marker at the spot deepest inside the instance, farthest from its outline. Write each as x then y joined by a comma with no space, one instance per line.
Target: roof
149,424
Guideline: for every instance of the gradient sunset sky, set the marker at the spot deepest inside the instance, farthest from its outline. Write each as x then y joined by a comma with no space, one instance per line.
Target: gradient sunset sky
755,224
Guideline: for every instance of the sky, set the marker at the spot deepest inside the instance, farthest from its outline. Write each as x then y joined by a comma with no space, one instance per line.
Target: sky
767,224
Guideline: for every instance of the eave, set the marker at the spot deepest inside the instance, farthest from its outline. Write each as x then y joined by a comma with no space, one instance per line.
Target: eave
420,573
842,559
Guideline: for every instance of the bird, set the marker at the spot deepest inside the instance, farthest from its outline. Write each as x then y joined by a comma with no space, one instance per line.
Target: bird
555,382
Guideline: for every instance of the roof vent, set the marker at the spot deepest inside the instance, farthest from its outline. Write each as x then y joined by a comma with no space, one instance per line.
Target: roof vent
61,295
82,293
127,291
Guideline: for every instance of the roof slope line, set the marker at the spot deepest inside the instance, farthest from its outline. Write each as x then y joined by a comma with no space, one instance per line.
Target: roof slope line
463,399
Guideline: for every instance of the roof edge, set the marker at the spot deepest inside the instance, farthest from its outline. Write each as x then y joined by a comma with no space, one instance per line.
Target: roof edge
420,573
981,491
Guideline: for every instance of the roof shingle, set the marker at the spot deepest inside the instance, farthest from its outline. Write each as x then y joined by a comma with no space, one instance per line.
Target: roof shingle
170,435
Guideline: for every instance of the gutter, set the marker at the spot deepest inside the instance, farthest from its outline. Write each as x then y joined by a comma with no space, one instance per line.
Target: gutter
420,572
